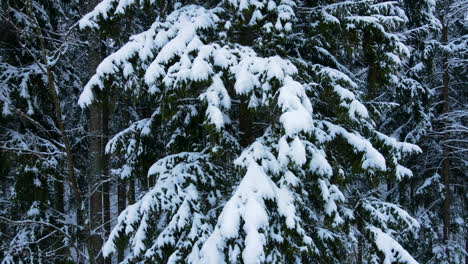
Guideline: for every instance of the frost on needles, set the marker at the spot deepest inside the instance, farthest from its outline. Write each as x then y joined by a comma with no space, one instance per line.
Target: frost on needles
306,189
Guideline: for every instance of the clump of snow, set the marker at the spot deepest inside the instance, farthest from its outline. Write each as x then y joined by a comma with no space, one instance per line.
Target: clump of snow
391,249
372,158
217,98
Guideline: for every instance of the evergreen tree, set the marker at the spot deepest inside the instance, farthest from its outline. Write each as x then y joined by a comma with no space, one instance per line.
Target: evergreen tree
441,178
233,131
39,86
307,154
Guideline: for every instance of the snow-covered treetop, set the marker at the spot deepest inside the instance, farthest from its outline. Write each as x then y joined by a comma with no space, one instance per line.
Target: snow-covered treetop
167,39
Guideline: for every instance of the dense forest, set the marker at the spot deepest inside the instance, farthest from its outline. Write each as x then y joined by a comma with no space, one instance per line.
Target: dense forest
233,131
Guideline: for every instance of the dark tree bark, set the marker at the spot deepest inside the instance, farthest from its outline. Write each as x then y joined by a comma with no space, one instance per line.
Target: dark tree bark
131,191
98,159
121,204
106,172
96,172
446,162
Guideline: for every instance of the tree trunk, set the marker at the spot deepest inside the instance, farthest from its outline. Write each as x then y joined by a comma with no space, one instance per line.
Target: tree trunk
97,160
131,191
121,204
122,186
446,162
106,172
96,172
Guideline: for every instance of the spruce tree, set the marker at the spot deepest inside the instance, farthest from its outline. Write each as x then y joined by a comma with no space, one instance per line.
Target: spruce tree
234,131
38,88
440,180
287,184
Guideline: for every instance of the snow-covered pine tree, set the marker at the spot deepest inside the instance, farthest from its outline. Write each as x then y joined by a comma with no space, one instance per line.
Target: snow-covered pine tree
37,215
409,118
371,53
297,190
172,133
441,178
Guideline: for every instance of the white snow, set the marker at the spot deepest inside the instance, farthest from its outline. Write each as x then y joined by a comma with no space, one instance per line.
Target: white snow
372,158
391,249
319,164
297,109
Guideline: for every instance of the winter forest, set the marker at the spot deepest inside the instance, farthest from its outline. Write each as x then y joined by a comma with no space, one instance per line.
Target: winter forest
233,131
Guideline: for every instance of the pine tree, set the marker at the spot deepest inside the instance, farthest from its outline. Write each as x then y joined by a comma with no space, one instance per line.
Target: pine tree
440,181
288,183
235,131
39,87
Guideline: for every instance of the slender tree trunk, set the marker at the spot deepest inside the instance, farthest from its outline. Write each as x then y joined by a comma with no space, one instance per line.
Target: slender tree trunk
122,187
106,172
121,204
446,162
97,168
60,206
96,154
131,191
121,196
